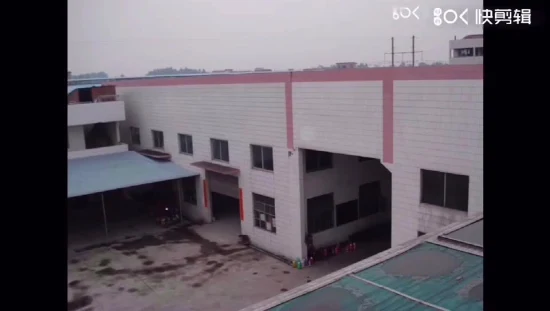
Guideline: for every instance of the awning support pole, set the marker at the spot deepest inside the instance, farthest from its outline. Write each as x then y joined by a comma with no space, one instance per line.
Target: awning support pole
180,199
104,215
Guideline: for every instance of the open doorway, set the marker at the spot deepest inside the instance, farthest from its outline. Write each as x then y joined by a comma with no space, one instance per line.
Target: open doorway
347,201
225,203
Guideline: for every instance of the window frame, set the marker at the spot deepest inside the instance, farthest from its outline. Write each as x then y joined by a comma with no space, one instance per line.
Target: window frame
188,139
135,133
253,162
318,166
445,203
220,141
256,212
161,140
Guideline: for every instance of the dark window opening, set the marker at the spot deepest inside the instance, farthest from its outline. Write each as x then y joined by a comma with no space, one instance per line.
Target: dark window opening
135,135
318,160
186,143
370,199
220,149
445,189
264,212
347,212
158,139
262,157
320,213
190,191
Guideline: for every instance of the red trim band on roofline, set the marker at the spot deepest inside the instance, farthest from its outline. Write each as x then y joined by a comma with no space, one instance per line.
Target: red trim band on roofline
448,72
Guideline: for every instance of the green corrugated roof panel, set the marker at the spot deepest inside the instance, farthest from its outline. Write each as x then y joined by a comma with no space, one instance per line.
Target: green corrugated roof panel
435,274
351,294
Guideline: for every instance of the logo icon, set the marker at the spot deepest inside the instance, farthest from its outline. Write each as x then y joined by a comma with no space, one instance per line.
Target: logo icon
405,13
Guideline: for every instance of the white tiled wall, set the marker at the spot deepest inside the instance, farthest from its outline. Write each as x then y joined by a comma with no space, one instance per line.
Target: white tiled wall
438,125
241,114
341,117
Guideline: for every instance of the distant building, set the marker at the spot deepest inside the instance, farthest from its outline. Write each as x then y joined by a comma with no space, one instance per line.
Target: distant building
466,51
347,65
262,70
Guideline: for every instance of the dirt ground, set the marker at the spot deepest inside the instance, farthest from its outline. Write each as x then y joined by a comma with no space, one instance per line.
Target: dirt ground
181,270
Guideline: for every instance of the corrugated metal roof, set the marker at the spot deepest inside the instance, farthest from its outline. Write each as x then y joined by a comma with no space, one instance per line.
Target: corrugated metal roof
422,274
71,88
118,170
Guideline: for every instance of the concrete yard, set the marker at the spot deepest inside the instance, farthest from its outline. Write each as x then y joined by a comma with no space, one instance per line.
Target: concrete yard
181,269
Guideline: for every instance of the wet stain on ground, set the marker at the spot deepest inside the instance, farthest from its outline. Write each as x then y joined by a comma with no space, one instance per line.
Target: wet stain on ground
74,261
74,283
283,289
142,257
286,272
225,245
145,271
256,259
148,263
211,262
130,253
255,273
96,246
225,269
89,309
104,262
273,267
79,302
82,269
129,237
110,285
132,290
196,285
308,281
120,289
214,268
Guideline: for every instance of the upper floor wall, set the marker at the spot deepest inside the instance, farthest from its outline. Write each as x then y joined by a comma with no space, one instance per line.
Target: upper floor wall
90,113
349,111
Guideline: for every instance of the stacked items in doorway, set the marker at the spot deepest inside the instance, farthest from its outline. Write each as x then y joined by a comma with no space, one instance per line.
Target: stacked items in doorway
314,255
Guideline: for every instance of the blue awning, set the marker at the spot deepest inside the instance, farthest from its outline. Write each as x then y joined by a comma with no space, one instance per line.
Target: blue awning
118,170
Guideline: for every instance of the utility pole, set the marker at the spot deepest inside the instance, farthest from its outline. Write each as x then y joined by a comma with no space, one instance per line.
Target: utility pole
392,53
413,52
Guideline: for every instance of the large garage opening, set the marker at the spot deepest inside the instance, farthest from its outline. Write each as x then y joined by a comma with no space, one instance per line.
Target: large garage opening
225,198
347,201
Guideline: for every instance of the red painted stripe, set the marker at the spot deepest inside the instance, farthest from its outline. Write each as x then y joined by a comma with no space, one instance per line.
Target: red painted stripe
205,191
387,121
289,115
454,72
241,203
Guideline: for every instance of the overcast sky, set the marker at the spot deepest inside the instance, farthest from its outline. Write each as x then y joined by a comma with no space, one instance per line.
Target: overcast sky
131,37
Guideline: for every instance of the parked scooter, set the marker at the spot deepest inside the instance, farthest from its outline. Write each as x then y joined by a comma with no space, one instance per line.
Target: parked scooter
167,215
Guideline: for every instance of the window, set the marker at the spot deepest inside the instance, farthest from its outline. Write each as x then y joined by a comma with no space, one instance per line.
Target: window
369,199
134,135
262,157
220,149
479,51
318,160
444,189
158,139
466,52
346,212
320,213
264,212
186,143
